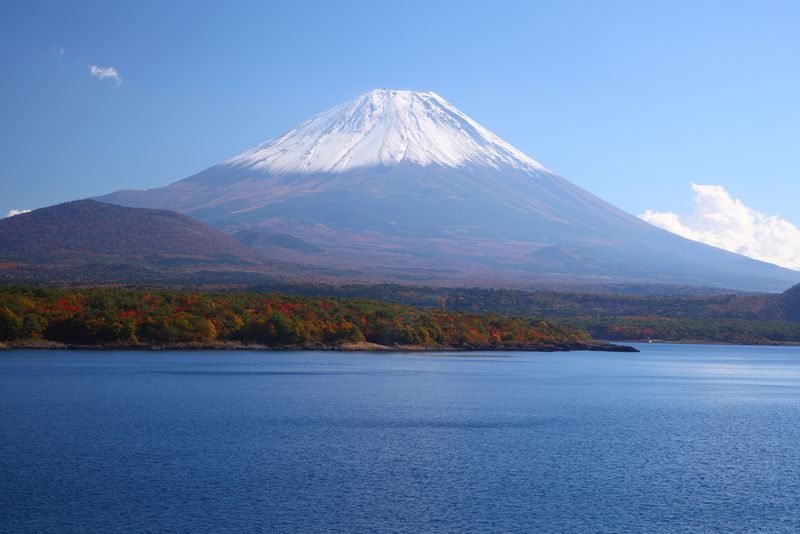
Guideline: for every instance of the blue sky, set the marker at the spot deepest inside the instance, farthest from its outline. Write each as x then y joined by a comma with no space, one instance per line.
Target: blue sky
630,100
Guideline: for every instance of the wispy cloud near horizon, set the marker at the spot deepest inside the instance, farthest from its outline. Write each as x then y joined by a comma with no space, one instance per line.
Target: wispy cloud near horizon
722,221
11,213
105,73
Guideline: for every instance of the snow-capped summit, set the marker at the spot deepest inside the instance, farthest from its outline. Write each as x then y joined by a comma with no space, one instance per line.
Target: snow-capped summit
385,127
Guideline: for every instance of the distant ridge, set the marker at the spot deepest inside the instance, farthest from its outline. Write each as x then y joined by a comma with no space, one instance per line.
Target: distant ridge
101,242
401,186
786,306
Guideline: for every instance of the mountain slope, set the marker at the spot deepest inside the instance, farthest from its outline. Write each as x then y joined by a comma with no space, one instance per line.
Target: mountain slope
90,228
786,306
401,185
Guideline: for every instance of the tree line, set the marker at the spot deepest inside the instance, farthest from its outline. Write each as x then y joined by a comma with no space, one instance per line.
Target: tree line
109,316
722,318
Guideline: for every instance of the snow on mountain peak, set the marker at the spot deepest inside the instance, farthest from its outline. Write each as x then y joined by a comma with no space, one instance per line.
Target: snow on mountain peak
385,127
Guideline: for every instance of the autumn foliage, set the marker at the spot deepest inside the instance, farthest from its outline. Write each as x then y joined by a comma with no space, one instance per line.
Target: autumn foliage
132,317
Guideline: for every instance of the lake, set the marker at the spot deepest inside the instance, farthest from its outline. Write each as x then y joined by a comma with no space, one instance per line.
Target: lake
675,438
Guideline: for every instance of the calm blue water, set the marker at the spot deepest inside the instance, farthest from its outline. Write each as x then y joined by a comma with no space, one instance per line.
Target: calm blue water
674,439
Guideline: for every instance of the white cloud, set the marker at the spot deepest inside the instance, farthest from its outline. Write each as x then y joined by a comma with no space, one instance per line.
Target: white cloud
61,51
722,221
15,212
105,73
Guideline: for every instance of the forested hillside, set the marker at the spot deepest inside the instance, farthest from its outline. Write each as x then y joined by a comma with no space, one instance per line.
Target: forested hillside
90,228
785,306
142,317
726,318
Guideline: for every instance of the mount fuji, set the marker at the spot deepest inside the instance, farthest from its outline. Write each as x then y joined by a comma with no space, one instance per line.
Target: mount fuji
402,186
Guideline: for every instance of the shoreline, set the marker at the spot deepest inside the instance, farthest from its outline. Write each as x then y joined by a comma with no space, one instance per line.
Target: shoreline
41,344
707,342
